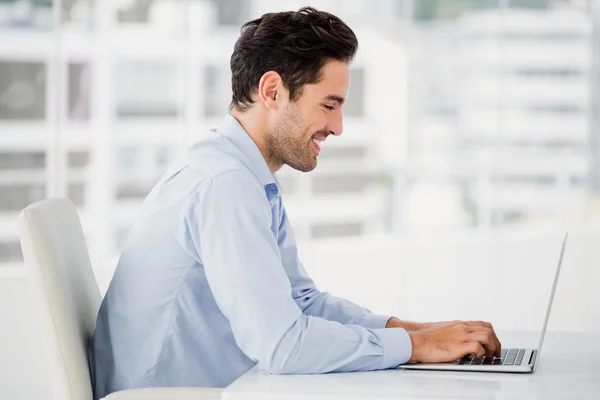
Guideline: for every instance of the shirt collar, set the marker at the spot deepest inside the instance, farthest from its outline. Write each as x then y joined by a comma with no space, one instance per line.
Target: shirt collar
233,130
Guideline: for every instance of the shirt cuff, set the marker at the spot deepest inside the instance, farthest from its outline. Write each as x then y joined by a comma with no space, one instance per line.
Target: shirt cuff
396,345
374,321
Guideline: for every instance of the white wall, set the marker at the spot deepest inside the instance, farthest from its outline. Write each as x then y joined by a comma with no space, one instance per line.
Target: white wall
502,277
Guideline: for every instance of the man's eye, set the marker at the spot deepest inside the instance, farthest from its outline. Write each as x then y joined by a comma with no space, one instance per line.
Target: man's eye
328,107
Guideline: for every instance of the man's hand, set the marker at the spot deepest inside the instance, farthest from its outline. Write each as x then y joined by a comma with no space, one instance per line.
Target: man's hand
422,326
450,341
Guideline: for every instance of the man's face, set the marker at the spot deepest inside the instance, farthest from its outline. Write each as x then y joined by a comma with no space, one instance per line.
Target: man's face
303,125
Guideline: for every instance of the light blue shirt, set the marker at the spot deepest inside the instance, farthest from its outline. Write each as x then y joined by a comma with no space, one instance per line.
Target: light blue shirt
209,284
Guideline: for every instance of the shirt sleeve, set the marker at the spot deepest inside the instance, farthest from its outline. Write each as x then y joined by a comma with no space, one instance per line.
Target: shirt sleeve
230,223
306,295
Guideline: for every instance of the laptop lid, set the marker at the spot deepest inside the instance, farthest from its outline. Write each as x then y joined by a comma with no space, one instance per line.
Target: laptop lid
550,301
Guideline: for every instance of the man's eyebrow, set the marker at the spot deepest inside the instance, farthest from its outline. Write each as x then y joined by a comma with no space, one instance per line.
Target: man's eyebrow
333,97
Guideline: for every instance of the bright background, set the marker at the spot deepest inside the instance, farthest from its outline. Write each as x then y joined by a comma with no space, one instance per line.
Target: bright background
471,144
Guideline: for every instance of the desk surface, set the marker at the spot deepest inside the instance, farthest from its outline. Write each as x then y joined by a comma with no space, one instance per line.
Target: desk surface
569,367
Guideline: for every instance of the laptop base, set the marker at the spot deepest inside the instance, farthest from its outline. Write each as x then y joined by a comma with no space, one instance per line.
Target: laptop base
526,365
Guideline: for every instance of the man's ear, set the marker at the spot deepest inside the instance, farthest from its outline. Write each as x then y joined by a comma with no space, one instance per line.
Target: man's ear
270,89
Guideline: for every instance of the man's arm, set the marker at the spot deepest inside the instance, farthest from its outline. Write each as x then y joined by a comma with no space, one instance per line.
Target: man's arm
230,226
409,326
431,341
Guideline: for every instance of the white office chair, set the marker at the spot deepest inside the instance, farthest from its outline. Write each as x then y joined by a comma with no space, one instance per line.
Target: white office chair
68,298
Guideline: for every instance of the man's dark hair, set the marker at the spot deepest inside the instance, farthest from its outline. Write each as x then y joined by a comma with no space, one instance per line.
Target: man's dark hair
295,44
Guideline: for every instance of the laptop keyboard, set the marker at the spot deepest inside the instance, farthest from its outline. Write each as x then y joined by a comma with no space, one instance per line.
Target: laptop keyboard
507,357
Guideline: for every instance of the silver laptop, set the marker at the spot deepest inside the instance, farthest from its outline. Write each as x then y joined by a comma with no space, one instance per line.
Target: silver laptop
511,360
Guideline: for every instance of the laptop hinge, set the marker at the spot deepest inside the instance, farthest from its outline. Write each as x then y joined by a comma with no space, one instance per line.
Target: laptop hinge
531,358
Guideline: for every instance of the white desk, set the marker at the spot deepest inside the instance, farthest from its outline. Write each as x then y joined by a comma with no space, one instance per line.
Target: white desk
569,367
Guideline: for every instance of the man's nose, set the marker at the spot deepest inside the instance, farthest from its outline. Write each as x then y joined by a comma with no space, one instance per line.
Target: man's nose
335,126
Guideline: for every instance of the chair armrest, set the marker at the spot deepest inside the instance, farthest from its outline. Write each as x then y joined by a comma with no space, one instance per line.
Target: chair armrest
185,393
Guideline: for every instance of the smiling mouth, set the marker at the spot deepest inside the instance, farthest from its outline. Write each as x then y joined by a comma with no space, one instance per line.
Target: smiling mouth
317,144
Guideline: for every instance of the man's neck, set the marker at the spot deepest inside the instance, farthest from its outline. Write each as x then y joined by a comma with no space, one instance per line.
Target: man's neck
258,133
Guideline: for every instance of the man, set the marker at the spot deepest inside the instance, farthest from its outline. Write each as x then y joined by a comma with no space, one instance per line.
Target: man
209,283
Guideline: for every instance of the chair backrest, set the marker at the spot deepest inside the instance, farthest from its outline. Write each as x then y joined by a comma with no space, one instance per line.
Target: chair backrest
65,291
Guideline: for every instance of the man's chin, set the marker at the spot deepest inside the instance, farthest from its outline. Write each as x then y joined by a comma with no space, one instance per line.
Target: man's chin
303,167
